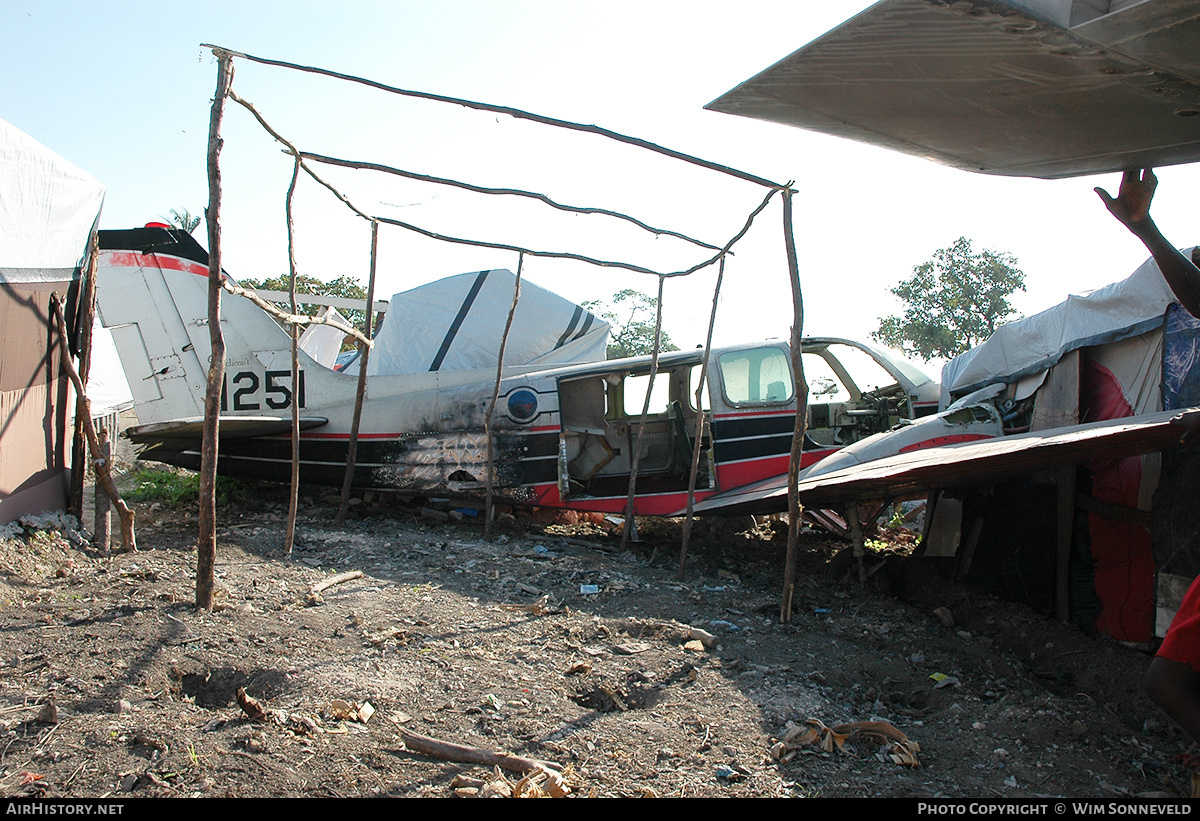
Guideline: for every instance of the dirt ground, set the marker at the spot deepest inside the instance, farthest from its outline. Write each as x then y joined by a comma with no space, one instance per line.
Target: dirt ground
112,684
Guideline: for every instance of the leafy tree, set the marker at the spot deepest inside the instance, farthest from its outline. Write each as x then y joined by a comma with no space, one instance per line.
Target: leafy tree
630,314
953,302
344,286
185,219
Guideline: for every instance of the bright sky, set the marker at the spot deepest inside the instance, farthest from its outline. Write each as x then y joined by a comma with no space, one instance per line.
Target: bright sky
123,91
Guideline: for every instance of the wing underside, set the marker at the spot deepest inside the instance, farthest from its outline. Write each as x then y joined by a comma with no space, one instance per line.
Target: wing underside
971,464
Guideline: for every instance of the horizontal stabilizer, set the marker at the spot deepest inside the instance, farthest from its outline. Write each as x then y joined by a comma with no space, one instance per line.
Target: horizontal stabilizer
232,427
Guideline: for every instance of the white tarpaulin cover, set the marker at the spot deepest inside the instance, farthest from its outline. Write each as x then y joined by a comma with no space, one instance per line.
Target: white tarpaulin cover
324,342
107,387
456,324
48,209
1031,345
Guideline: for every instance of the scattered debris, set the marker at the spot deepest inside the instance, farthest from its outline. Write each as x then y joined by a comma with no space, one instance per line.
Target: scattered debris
251,706
900,748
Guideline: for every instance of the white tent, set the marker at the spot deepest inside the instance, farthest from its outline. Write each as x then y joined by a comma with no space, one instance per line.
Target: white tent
48,210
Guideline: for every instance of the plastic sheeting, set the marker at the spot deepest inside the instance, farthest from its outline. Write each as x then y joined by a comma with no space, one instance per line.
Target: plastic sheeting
48,209
324,342
456,324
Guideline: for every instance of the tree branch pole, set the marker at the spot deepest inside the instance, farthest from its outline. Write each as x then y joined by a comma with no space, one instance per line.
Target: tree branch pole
289,538
489,509
512,112
78,468
691,502
514,192
206,546
627,530
101,520
360,395
294,318
723,251
801,391
103,469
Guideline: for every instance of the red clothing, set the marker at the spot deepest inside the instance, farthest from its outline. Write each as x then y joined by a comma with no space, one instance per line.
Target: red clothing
1182,642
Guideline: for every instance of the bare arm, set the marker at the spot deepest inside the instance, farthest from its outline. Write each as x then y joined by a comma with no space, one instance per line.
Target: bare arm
1175,687
1132,207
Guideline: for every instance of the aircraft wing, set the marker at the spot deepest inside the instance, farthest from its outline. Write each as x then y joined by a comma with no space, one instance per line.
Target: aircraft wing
966,465
1033,88
178,432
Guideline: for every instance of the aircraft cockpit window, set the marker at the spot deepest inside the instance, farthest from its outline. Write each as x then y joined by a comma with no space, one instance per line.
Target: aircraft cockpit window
693,381
824,385
635,394
762,376
866,373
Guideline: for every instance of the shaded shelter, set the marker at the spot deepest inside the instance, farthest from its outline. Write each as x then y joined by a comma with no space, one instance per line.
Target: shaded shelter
48,212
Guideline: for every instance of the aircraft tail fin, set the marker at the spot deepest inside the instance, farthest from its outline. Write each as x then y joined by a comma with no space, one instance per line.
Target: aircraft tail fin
152,288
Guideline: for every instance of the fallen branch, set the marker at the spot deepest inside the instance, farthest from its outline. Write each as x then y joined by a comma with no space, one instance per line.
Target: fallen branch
447,751
314,593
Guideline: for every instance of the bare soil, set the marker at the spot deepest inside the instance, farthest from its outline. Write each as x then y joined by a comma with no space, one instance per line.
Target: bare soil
499,645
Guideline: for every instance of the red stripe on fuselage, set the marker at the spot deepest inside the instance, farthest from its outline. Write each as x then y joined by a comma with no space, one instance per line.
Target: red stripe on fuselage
938,441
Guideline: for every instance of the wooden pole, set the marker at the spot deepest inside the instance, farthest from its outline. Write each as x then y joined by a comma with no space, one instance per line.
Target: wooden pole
798,431
687,522
103,471
206,544
78,466
512,192
489,510
102,521
512,112
289,538
628,529
360,395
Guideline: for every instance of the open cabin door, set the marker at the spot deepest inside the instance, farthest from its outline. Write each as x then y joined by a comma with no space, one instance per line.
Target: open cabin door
600,419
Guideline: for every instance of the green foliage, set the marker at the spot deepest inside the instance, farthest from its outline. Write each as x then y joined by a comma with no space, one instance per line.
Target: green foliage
953,302
631,315
185,219
176,488
344,286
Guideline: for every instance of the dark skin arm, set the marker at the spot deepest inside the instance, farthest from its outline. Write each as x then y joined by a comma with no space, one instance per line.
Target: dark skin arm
1175,687
1132,207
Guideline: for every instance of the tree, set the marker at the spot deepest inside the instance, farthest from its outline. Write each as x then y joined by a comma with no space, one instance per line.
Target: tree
630,314
953,302
185,219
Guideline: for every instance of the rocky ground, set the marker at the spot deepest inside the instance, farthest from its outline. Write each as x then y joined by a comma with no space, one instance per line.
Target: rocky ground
546,644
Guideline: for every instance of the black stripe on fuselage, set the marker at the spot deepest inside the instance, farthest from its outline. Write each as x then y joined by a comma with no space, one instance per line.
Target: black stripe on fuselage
753,426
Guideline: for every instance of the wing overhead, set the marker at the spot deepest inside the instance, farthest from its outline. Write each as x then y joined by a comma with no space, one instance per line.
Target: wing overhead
967,465
1031,88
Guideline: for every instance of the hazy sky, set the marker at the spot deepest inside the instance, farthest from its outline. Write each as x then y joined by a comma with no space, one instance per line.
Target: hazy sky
123,90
